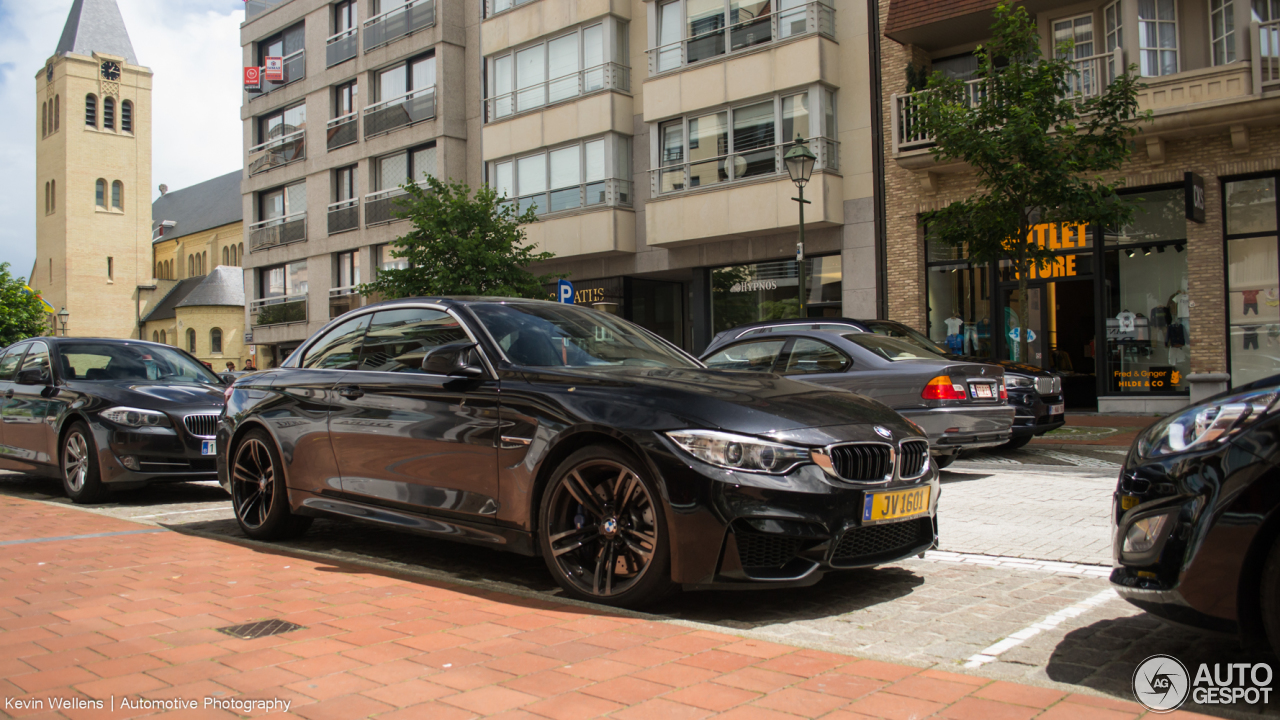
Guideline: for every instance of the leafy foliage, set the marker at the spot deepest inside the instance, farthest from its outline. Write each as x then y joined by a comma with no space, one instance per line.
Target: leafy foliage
461,244
1036,146
21,315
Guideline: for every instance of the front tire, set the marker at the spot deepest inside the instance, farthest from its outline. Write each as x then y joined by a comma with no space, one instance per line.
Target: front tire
603,531
78,458
1271,596
258,493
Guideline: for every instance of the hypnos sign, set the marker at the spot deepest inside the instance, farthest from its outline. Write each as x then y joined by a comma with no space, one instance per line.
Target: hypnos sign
754,285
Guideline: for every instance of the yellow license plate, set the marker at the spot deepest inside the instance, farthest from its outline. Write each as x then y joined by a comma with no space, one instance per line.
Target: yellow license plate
895,505
1127,501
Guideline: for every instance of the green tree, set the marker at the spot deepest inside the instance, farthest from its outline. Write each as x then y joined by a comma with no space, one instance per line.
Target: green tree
1037,134
22,314
461,244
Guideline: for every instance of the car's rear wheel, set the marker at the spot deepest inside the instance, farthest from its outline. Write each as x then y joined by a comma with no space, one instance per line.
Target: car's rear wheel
78,456
1016,442
602,529
1271,596
258,493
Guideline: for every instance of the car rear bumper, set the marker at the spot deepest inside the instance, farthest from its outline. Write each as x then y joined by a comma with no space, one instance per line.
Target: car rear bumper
952,429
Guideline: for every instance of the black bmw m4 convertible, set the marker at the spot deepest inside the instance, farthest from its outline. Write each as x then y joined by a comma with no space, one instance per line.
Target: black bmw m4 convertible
567,433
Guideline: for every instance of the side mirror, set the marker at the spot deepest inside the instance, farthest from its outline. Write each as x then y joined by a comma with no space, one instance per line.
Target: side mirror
33,376
452,360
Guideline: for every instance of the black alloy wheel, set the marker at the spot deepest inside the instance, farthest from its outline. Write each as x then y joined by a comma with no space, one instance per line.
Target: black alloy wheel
603,531
258,493
79,461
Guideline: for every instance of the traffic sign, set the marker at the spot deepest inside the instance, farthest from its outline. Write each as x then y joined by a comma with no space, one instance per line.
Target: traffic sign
564,291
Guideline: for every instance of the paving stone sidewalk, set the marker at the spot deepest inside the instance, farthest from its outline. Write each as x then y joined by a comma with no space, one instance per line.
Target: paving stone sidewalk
133,612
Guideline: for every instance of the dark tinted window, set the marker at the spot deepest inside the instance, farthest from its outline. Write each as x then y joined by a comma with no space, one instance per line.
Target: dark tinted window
757,356
398,340
891,348
37,359
339,349
132,361
815,356
9,363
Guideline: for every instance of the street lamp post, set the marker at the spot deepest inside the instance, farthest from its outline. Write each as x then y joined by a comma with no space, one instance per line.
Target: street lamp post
800,160
63,316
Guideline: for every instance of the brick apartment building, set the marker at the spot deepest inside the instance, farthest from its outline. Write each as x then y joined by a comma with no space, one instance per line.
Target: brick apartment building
1139,318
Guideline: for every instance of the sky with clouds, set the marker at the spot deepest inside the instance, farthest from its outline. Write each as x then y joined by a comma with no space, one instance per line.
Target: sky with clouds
192,46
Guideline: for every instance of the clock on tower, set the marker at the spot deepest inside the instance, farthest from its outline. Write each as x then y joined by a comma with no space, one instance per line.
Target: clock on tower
110,71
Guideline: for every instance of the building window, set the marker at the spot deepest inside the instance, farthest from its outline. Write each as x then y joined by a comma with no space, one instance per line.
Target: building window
91,110
1079,32
280,203
1222,31
1158,37
117,195
191,340
225,256
46,199
345,99
57,112
285,44
497,6
284,280
584,174
400,80
109,113
191,266
1113,23
583,61
215,341
282,123
347,273
1266,10
44,120
53,196
413,165
111,269
155,336
384,261
745,141
344,16
742,294
100,193
691,31
164,337
1253,278
126,116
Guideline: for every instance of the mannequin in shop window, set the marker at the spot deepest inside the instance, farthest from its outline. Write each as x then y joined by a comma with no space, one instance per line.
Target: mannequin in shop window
955,326
1179,307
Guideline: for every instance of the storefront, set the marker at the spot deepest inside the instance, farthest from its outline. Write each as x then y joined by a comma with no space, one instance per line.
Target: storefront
1253,279
742,294
656,305
1110,311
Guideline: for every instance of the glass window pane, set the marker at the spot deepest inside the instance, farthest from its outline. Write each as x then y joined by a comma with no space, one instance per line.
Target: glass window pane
531,174
424,164
501,75
1157,215
339,349
502,180
424,73
393,170
622,166
296,278
669,36
1147,321
705,31
753,127
566,167
756,356
391,83
672,154
398,340
37,359
808,357
593,46
1253,306
295,118
296,198
594,151
708,138
271,205
750,23
531,72
795,117
1251,206
562,59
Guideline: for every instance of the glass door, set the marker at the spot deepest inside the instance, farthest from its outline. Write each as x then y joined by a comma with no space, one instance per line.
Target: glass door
1012,328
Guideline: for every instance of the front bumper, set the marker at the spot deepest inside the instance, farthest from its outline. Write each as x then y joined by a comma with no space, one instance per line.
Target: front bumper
732,529
1031,413
955,428
160,455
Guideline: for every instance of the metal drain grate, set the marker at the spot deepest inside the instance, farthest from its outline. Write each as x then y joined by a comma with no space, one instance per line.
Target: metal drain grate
251,631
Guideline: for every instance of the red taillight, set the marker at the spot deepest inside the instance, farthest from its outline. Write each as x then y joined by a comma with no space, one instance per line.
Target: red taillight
941,388
1004,393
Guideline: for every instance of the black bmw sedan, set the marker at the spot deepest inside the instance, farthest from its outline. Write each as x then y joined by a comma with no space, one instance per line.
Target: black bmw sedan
107,414
553,430
1197,515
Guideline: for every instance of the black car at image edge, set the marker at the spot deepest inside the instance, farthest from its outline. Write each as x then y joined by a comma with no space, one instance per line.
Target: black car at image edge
1035,394
105,414
1197,516
553,430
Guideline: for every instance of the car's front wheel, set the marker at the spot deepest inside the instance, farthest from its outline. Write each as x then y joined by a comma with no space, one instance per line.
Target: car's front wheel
258,493
602,529
78,457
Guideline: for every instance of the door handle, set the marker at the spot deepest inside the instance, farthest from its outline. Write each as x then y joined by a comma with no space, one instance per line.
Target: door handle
351,392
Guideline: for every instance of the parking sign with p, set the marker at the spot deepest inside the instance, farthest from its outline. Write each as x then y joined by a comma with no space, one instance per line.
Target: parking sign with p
564,292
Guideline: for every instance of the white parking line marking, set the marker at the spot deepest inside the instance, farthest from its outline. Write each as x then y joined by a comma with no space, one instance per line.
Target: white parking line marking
993,653
1077,460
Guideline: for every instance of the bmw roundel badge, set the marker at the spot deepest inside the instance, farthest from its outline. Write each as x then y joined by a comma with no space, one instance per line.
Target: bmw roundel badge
883,432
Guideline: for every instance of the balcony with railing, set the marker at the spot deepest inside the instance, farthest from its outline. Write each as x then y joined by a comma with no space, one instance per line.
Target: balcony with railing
280,310
395,24
385,206
341,47
609,76
601,193
254,8
278,152
814,18
412,107
295,69
1265,55
344,215
341,131
278,231
344,300
735,167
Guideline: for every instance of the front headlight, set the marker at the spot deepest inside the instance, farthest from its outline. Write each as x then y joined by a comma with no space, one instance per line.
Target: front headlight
1203,426
134,417
739,452
1019,381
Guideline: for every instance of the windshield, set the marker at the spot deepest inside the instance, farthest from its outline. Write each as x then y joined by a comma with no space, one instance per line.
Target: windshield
131,362
550,335
902,332
891,348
